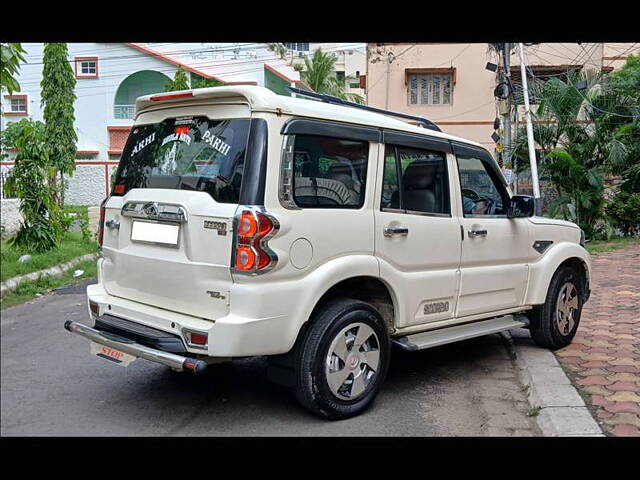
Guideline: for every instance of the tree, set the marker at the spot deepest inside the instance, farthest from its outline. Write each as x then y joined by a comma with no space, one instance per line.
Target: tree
10,58
576,131
58,97
320,75
179,82
626,82
627,79
198,81
43,220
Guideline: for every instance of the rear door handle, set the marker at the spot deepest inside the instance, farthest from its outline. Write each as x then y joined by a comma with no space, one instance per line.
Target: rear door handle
477,233
389,231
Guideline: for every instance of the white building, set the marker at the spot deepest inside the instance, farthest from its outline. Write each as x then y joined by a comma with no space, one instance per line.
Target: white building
110,76
351,64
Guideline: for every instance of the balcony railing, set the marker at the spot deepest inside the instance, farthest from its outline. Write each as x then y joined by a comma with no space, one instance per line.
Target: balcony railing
124,112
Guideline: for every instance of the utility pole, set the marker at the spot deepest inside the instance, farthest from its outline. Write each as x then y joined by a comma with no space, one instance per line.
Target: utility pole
532,150
506,120
386,98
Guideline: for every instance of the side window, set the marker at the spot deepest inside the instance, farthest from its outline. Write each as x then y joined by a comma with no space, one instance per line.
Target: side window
390,184
328,172
415,180
482,192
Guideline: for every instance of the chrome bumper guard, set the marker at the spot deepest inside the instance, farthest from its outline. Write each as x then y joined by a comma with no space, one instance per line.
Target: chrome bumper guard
177,362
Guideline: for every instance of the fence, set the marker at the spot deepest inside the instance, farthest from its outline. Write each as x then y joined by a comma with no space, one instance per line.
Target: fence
89,184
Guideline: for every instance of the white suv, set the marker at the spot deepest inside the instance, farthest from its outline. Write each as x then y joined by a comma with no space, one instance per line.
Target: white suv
246,223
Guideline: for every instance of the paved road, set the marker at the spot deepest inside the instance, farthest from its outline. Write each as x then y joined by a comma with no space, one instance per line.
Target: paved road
51,385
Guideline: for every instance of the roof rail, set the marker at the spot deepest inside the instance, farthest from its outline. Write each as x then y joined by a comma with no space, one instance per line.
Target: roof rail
339,101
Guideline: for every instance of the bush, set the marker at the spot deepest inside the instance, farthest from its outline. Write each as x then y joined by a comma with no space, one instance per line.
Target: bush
624,212
43,222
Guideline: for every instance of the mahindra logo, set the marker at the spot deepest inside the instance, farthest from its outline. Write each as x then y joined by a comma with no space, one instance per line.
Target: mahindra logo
151,209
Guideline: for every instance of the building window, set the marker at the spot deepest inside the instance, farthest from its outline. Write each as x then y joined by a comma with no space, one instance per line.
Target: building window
430,89
298,47
86,67
17,105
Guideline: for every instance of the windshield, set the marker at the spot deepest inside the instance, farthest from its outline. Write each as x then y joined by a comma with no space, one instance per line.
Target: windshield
186,153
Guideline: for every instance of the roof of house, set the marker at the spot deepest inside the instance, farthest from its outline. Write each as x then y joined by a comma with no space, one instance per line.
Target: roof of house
263,99
222,64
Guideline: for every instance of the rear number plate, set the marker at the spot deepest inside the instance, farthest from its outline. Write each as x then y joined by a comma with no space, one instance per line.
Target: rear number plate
111,354
155,233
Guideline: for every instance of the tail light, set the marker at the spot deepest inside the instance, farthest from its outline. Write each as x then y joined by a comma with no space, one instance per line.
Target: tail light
251,253
101,223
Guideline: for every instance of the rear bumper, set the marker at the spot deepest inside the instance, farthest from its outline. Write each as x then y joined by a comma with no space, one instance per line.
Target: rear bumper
177,362
230,336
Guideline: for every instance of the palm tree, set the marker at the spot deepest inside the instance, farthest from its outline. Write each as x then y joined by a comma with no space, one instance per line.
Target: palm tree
575,128
320,75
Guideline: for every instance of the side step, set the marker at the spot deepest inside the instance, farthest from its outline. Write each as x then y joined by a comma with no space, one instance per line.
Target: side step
442,336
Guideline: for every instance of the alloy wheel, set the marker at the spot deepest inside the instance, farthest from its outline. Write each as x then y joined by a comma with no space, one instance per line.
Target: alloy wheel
352,361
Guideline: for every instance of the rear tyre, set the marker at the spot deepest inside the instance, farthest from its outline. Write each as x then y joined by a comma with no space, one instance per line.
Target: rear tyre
554,324
342,360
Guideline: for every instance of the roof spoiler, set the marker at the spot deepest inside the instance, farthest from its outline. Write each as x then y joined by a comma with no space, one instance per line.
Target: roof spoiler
339,101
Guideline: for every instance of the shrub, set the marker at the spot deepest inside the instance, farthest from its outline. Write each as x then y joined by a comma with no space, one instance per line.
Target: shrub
43,224
624,212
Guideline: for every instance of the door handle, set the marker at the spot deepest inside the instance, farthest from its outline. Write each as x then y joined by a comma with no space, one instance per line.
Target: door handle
389,231
477,233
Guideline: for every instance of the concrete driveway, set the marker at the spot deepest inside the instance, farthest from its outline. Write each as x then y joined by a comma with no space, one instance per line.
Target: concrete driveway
51,385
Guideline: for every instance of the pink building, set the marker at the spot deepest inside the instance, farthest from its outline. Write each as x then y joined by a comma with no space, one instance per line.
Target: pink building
449,84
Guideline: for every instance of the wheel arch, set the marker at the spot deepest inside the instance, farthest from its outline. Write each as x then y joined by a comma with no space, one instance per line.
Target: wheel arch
366,288
542,271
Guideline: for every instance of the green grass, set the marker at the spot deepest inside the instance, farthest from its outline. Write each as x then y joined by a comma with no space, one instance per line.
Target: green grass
29,290
534,412
598,246
73,245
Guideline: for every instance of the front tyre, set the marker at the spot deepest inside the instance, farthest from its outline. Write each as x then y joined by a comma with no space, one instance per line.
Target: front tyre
554,324
343,359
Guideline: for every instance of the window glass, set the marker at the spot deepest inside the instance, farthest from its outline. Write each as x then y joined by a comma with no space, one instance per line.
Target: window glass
88,67
329,172
18,105
413,90
482,193
446,89
390,184
423,181
424,89
186,153
430,89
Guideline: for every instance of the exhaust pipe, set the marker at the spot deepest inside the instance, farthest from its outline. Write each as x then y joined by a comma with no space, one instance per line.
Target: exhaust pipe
177,362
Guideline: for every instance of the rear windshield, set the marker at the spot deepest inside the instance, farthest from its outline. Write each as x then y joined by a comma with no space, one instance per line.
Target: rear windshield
186,153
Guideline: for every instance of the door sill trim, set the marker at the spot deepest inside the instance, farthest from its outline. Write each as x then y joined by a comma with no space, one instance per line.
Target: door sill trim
424,327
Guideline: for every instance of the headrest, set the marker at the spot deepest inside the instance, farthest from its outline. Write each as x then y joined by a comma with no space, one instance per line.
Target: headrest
340,168
420,174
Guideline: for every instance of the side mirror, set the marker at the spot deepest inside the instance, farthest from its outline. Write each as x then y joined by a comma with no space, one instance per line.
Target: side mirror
521,206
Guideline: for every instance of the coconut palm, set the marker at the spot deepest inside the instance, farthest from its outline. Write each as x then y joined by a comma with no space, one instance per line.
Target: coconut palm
320,75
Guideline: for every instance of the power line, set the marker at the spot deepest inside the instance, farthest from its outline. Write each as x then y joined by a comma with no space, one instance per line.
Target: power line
623,53
569,81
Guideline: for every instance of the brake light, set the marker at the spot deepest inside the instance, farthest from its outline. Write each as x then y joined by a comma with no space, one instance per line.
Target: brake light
252,254
101,223
170,96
